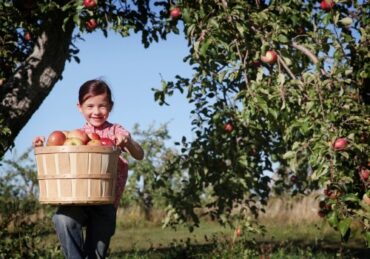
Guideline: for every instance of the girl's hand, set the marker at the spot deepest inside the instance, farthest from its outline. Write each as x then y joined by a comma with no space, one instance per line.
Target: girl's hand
38,141
122,139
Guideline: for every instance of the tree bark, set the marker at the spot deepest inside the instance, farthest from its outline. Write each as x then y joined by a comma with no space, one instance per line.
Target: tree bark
31,83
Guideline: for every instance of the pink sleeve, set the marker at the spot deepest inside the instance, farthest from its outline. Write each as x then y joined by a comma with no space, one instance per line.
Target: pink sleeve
121,130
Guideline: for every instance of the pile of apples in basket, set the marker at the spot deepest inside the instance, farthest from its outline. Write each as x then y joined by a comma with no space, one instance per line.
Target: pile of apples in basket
75,137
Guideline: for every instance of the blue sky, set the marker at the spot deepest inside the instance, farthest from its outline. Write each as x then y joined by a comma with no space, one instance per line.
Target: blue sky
131,71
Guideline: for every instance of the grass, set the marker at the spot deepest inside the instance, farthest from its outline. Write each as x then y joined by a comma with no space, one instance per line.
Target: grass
293,230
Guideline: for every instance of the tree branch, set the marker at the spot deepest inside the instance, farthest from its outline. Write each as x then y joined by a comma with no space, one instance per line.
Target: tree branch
309,54
24,92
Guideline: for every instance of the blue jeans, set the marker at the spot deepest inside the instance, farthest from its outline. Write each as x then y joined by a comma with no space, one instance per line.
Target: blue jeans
100,223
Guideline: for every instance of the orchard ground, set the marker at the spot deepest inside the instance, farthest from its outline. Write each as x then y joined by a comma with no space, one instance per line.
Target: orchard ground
293,230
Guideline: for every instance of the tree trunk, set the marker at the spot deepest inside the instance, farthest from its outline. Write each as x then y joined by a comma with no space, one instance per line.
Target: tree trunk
31,83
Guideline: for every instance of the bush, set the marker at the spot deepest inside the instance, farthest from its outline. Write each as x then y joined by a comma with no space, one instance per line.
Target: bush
23,222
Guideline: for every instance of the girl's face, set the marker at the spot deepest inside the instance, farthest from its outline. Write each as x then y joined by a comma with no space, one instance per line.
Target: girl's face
95,109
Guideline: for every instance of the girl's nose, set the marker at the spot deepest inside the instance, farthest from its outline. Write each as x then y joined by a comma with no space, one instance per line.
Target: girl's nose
96,110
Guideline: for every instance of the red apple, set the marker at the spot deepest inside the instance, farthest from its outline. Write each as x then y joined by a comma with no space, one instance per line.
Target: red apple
38,143
327,5
93,135
73,142
270,57
322,204
175,12
340,144
27,36
327,192
364,174
321,213
91,24
56,138
106,142
77,133
94,142
228,127
332,193
90,3
238,231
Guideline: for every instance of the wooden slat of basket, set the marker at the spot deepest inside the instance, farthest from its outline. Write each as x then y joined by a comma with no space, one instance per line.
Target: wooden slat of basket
77,176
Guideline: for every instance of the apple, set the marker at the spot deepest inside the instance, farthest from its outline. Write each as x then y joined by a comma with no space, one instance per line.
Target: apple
340,144
332,194
56,138
94,142
270,57
27,36
90,3
39,142
106,142
175,12
78,133
327,5
238,231
91,24
228,127
73,142
364,174
322,204
93,135
321,213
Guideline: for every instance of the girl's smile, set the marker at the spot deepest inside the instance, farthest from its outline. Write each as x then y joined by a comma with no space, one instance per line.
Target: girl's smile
95,109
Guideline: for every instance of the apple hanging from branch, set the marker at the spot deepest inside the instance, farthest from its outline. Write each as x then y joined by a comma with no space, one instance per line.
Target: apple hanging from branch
270,57
91,24
175,12
27,36
327,5
228,127
340,144
90,3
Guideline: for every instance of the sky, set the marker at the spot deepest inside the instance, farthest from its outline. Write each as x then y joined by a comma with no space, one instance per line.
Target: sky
131,71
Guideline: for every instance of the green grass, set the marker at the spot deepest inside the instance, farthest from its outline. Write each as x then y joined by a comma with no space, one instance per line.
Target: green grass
214,241
155,237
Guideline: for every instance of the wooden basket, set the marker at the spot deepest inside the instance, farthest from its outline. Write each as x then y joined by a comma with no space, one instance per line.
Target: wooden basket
76,174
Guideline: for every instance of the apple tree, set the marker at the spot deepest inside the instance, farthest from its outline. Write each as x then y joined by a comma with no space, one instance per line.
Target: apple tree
281,100
280,92
38,38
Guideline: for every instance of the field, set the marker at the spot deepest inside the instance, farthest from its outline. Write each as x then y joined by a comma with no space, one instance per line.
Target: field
293,230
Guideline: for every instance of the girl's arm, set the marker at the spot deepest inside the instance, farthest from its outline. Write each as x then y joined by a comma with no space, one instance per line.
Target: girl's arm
134,149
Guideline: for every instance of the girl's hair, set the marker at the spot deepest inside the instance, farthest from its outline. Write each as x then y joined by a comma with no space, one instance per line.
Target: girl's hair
93,88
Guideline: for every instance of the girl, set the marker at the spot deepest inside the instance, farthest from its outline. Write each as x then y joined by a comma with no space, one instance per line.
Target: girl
95,103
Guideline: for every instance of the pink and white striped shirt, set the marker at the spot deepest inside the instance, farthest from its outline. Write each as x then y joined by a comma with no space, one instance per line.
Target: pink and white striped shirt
109,130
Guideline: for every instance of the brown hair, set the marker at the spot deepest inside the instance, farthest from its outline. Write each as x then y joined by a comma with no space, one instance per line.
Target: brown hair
93,88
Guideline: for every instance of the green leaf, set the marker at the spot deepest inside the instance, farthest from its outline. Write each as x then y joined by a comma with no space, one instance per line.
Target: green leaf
344,225
283,39
367,238
289,155
333,219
